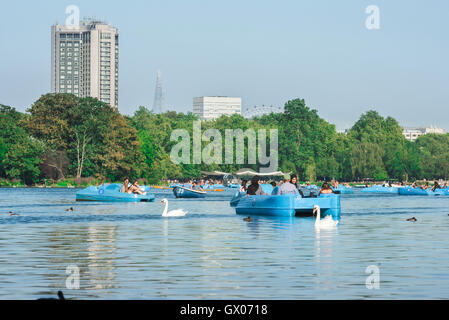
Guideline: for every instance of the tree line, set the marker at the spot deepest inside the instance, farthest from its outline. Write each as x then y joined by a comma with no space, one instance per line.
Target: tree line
63,136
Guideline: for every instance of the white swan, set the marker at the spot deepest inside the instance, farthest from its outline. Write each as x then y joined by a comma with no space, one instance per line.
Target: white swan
172,213
326,223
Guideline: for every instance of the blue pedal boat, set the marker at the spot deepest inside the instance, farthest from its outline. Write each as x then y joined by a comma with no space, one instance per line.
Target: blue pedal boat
442,192
111,193
343,189
236,198
288,205
410,191
381,189
213,186
182,192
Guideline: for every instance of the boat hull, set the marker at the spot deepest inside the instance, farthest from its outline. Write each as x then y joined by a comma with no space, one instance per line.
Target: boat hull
381,189
288,205
181,192
111,193
344,189
409,191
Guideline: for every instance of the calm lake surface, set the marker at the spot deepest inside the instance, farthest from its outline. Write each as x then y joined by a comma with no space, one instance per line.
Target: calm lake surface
128,251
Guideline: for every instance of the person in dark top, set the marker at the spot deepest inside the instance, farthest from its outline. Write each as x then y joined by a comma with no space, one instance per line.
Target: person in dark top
255,188
436,185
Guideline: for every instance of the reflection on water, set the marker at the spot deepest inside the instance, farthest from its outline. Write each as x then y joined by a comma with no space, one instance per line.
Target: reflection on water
128,251
323,258
101,257
89,247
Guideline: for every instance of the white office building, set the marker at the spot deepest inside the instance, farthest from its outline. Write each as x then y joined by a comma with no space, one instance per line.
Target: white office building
411,134
85,60
207,108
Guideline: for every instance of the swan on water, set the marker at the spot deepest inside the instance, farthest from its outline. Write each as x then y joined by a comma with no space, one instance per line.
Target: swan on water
172,213
326,223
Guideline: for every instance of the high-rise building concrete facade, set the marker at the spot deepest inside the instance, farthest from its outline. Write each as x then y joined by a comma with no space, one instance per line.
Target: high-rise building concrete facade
85,60
207,108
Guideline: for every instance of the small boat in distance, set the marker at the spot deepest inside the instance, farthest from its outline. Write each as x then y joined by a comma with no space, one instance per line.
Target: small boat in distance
381,189
182,192
418,191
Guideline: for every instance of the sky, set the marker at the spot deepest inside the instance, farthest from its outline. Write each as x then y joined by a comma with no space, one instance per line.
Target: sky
266,52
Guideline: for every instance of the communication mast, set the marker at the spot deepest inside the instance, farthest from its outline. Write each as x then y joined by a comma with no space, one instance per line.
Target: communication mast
158,103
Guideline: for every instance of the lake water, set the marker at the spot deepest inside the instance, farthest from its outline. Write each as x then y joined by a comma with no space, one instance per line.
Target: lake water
128,251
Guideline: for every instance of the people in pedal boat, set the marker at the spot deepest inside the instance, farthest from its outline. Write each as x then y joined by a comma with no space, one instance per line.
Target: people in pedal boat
135,188
188,184
426,186
196,186
335,184
436,185
287,188
326,189
255,188
243,186
125,186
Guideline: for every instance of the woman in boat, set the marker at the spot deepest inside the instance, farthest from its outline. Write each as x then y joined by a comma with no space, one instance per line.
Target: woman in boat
125,186
255,188
135,188
326,189
243,186
294,181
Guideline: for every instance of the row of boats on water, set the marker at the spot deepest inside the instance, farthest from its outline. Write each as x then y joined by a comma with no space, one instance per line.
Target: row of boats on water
272,205
407,191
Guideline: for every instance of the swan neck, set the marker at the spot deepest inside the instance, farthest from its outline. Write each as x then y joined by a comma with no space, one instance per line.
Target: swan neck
318,217
166,208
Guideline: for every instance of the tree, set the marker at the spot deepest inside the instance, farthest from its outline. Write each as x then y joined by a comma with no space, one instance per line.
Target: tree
20,154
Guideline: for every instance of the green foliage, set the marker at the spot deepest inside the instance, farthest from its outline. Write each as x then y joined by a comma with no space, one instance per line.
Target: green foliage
20,154
91,139
434,151
98,140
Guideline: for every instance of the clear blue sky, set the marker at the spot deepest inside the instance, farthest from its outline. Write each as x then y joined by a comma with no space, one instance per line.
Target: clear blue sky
266,52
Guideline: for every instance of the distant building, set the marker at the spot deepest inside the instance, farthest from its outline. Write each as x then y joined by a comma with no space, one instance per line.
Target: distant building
343,131
258,111
207,108
411,134
85,60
